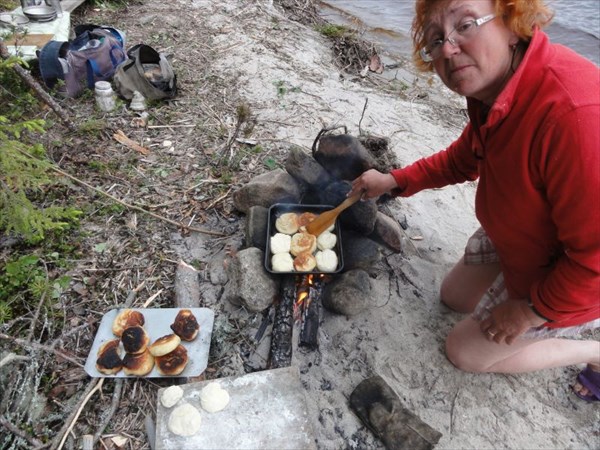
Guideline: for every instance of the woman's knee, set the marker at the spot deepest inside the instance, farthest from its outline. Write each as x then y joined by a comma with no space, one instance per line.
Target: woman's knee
461,352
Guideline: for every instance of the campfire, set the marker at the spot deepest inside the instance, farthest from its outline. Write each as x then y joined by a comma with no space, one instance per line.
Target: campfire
307,308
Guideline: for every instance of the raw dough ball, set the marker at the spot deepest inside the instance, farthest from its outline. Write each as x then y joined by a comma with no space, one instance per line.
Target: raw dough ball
280,243
171,396
213,397
282,262
326,240
327,260
184,420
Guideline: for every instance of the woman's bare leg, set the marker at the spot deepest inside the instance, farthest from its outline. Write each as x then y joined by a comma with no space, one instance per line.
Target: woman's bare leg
464,285
468,349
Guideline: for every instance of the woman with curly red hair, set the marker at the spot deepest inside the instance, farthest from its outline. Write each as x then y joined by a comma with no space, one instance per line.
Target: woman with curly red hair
530,276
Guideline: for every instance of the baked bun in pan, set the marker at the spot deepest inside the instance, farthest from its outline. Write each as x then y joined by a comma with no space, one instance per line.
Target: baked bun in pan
305,262
165,344
287,223
306,218
303,242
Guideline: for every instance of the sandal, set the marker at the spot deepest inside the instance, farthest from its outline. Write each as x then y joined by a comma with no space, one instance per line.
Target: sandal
590,379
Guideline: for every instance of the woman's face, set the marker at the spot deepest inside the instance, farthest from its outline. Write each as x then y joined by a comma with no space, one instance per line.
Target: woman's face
481,66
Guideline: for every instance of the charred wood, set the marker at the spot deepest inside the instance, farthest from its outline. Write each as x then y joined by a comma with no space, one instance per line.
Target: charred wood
311,314
283,325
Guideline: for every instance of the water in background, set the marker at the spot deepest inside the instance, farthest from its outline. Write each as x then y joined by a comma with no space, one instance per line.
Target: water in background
576,23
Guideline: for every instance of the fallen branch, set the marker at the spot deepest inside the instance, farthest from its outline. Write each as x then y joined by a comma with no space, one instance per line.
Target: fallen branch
114,404
127,205
123,139
73,420
12,357
20,433
37,346
35,86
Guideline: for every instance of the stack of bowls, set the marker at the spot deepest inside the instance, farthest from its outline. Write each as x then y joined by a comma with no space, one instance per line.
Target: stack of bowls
40,13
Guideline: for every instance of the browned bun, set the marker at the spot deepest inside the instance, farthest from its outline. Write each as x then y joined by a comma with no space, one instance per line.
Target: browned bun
109,361
287,223
172,363
304,262
306,218
138,365
303,242
125,319
164,345
185,325
135,340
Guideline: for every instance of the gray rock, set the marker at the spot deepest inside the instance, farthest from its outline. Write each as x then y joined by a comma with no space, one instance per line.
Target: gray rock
359,252
343,156
387,232
348,294
256,227
306,169
276,186
250,285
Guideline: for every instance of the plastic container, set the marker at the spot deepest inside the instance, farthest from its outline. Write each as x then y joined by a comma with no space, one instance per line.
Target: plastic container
105,96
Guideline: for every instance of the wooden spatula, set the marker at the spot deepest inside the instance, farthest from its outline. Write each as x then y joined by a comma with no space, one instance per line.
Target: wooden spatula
327,218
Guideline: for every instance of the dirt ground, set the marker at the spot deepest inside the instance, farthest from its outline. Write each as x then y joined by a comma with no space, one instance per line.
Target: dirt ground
248,74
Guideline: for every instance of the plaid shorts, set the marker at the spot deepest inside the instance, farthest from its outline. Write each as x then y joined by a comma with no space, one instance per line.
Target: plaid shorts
480,250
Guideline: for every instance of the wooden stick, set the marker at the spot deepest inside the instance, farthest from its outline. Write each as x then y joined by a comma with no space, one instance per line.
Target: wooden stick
35,345
18,432
39,91
127,205
114,404
97,387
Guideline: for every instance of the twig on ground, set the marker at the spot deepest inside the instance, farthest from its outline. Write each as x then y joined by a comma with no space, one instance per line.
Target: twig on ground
114,404
73,420
362,115
219,199
127,205
13,357
35,345
18,432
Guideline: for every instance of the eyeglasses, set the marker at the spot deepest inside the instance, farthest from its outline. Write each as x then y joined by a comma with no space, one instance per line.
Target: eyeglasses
464,31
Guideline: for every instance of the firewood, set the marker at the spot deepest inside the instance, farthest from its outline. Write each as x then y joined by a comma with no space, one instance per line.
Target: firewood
283,323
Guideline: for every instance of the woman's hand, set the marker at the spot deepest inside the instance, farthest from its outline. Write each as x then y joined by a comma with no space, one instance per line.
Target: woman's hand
509,320
373,184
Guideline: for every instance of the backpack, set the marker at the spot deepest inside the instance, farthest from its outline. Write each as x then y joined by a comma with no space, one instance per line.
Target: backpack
92,56
147,72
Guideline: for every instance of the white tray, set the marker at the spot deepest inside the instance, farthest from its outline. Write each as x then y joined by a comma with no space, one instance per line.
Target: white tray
157,324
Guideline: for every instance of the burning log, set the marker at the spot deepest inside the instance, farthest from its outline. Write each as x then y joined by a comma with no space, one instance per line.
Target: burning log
283,325
311,312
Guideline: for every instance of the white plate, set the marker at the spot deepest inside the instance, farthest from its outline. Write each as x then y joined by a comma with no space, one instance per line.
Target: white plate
157,324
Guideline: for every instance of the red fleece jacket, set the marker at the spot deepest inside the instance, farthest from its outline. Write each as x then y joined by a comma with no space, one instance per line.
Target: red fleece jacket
537,158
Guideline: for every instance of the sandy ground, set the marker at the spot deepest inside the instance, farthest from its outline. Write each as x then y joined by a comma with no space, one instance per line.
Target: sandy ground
401,337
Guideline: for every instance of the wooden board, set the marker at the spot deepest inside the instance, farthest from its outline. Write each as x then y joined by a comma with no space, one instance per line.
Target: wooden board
266,410
35,40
